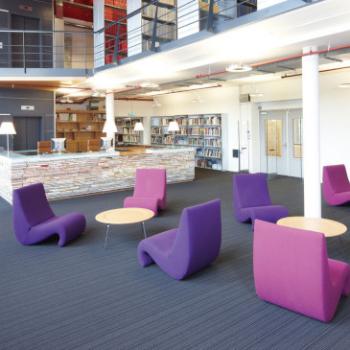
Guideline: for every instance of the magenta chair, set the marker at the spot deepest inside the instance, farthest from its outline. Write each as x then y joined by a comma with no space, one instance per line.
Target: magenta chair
292,270
150,190
189,248
336,186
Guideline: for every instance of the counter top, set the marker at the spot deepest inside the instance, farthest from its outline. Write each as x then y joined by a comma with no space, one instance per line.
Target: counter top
15,157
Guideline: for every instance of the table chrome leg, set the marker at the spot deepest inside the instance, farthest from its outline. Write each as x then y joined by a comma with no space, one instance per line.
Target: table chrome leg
106,237
144,229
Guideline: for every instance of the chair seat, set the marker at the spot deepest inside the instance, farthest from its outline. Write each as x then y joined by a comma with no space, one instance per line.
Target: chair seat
189,248
67,227
270,213
151,203
339,272
341,198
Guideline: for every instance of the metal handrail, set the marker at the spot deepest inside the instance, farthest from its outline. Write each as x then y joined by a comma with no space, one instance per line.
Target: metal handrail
50,54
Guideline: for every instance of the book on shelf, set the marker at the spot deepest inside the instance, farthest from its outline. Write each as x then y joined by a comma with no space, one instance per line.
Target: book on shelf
200,131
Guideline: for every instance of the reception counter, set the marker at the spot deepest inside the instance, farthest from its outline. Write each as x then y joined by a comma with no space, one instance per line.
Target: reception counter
77,174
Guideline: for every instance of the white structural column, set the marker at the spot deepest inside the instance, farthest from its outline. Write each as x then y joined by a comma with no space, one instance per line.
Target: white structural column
110,115
99,35
311,134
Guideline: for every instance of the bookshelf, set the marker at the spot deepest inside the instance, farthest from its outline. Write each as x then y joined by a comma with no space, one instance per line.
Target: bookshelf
202,131
79,124
115,10
126,134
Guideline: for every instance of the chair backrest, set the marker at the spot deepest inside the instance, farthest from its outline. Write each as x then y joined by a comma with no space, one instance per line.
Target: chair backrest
198,237
44,147
72,146
291,267
150,183
335,178
250,190
30,208
82,145
94,145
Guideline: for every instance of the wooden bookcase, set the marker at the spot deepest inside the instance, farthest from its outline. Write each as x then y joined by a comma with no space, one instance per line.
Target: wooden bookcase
166,27
87,125
115,10
79,124
202,131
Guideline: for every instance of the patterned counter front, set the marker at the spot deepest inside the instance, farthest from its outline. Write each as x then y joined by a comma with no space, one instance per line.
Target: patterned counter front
91,173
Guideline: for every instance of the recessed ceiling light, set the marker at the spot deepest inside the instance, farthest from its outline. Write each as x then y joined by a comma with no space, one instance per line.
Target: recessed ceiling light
238,68
256,94
150,85
67,90
345,85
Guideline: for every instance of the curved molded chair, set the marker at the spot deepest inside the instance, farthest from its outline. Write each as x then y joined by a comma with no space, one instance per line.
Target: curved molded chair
34,220
189,248
336,186
150,190
251,199
292,270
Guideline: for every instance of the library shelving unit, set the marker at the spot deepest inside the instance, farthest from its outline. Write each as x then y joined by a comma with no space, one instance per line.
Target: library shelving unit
166,26
115,10
126,133
79,124
202,131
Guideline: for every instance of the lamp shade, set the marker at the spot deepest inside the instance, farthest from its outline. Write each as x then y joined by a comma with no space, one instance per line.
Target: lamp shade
173,126
7,128
109,127
138,126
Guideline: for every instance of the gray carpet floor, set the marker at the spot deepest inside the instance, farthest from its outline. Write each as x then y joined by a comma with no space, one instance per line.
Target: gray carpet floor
86,297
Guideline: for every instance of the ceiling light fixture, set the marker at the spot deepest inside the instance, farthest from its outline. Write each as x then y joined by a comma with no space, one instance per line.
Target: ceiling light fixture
256,94
238,68
149,85
181,89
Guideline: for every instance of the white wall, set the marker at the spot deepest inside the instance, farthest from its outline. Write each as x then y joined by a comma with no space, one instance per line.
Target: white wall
334,112
187,18
99,38
134,29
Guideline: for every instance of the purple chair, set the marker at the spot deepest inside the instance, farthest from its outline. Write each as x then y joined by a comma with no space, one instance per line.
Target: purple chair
292,270
150,190
34,220
189,248
251,199
336,186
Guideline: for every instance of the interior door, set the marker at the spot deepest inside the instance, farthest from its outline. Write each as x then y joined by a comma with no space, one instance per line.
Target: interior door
273,140
295,137
28,133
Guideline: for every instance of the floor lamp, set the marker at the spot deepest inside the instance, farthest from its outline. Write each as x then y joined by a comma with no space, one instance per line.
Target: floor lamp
110,128
7,128
138,128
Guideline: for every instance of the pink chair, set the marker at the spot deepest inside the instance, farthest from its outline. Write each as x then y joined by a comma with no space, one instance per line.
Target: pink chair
150,190
292,270
336,186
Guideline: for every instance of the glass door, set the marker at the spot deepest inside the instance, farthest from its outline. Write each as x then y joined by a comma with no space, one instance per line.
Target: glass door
295,136
273,151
